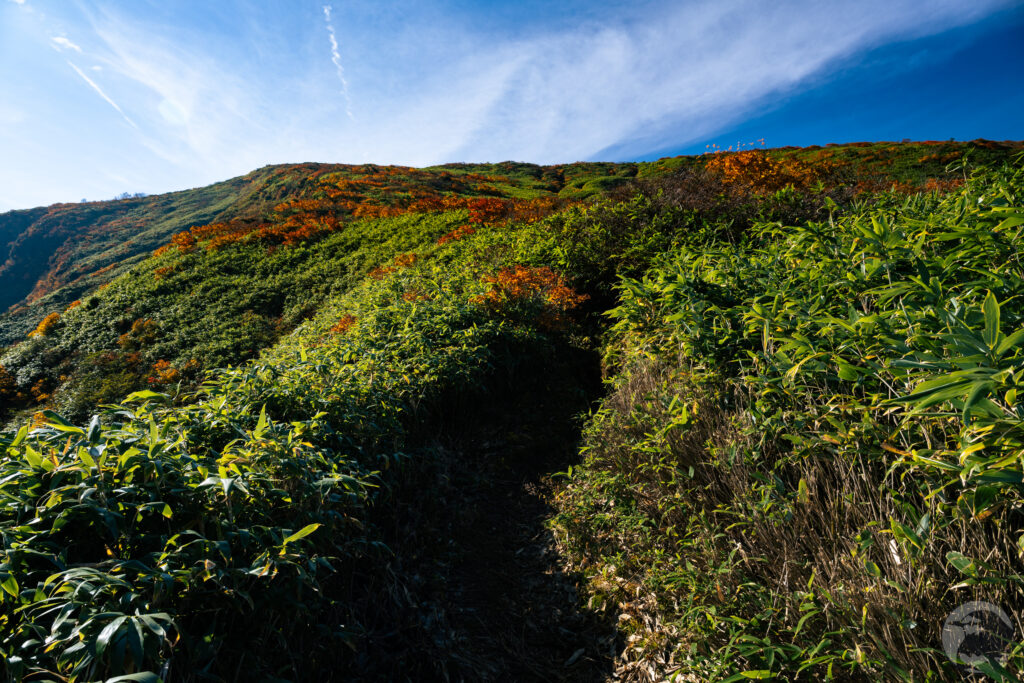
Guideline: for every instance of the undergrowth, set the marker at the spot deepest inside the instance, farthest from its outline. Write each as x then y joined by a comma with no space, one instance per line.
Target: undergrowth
810,453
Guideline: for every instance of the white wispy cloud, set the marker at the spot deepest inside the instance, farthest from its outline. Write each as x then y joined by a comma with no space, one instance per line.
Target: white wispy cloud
679,75
336,59
63,43
99,91
435,88
18,2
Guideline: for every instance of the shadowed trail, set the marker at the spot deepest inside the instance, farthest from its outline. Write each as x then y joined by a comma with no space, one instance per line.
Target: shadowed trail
488,597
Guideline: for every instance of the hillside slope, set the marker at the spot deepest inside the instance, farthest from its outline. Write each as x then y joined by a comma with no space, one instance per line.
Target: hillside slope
358,402
51,256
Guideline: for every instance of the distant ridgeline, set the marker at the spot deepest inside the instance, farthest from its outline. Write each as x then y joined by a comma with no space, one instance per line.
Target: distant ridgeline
221,402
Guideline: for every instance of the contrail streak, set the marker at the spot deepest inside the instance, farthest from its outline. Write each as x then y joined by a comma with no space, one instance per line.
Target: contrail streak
336,58
102,94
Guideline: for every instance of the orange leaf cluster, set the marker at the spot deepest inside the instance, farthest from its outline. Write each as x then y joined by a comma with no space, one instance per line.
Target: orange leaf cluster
415,295
532,210
39,392
184,241
940,185
74,304
456,234
405,260
344,323
401,261
763,173
46,326
524,283
164,373
330,198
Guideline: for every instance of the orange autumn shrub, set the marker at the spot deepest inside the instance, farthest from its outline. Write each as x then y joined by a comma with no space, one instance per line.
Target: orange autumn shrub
46,326
413,295
405,260
343,325
184,241
39,392
524,285
943,185
762,173
400,261
487,209
164,373
456,234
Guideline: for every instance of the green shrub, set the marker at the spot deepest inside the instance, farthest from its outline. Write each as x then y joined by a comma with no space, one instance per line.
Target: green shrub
810,453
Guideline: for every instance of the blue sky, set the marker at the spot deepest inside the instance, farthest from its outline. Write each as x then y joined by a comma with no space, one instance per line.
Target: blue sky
102,97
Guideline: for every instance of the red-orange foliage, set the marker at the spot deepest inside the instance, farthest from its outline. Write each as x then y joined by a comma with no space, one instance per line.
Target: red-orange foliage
164,373
46,325
532,210
456,234
74,304
39,392
487,209
400,261
344,323
405,260
415,295
329,198
942,185
184,241
525,284
762,172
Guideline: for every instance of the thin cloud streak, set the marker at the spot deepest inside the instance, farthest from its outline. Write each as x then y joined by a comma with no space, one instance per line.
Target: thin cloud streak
336,59
99,91
63,43
436,89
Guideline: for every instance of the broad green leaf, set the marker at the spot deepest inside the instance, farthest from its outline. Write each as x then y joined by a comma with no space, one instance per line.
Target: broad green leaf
32,457
147,395
991,309
301,533
872,568
803,495
962,563
108,632
142,677
261,425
